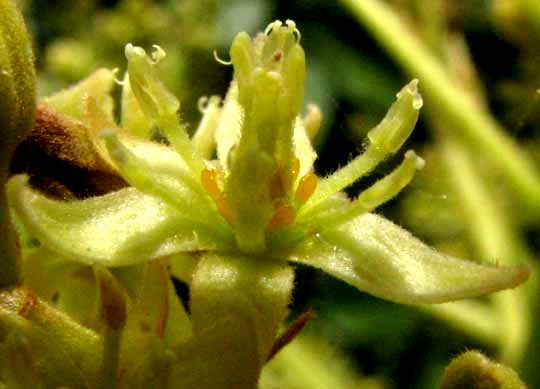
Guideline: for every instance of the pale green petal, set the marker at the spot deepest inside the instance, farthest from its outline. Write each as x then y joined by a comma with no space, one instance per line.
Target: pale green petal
70,101
120,228
378,257
237,304
173,184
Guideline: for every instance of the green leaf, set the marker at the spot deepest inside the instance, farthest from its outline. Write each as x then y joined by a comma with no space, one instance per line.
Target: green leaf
376,256
237,304
120,228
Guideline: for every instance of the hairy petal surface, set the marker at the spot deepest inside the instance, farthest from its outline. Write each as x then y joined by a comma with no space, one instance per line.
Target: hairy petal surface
379,257
120,228
237,304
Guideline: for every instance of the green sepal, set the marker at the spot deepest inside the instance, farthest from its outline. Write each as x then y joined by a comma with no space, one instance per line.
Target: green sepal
237,304
378,257
143,227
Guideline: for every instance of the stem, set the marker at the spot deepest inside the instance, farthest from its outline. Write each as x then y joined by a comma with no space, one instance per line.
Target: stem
493,237
455,107
111,351
469,316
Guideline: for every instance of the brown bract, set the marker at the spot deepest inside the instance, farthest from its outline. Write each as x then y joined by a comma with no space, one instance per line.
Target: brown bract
61,160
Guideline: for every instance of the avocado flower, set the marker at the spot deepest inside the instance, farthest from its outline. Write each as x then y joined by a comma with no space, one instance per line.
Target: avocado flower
232,207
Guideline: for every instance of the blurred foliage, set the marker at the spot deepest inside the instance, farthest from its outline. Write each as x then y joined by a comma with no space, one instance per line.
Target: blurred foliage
490,46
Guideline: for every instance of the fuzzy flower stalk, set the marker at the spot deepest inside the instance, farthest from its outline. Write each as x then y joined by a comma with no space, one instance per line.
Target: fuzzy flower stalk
228,211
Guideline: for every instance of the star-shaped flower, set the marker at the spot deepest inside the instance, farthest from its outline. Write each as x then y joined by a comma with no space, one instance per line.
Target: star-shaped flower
232,205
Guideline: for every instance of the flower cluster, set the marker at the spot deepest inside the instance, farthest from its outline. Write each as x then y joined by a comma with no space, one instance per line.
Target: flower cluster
228,208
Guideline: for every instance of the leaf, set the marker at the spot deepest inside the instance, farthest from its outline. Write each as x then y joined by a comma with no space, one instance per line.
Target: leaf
120,228
378,257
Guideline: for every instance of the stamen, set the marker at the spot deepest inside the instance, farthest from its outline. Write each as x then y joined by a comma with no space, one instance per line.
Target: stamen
209,181
276,186
221,61
283,216
292,25
225,210
210,184
306,187
117,81
202,104
158,54
271,26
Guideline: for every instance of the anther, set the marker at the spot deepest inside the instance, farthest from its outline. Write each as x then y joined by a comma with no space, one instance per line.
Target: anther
210,184
306,187
283,216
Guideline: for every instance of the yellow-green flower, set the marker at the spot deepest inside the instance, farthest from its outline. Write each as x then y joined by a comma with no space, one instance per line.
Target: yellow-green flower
232,206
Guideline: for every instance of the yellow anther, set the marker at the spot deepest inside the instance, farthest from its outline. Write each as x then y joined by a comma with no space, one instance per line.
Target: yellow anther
210,183
306,187
283,216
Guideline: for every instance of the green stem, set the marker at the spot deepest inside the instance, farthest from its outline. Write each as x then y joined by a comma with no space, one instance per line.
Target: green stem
471,317
450,103
111,351
494,238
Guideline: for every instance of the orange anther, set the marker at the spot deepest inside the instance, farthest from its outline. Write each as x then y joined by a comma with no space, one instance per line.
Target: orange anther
209,181
276,186
225,210
306,187
210,184
283,216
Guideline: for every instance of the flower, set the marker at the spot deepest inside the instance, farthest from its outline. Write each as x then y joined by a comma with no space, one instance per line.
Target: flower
229,225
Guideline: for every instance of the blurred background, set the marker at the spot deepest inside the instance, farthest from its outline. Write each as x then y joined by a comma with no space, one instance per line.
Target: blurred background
464,202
